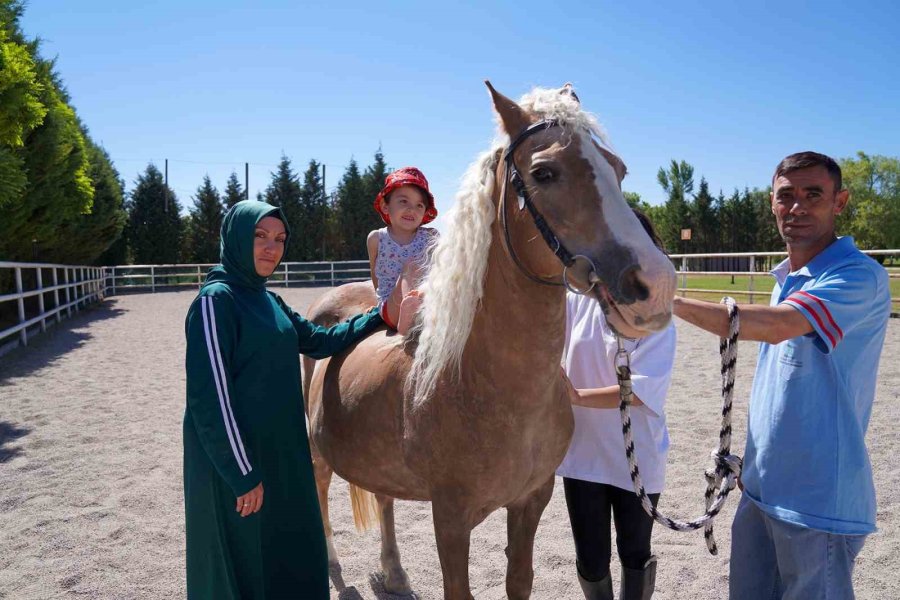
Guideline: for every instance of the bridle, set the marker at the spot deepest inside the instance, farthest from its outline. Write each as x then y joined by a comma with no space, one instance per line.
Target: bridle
512,175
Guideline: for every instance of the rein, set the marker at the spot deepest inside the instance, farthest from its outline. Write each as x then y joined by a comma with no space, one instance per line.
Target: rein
722,477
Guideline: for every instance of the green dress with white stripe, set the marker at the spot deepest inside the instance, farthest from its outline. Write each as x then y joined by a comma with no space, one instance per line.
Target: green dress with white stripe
244,424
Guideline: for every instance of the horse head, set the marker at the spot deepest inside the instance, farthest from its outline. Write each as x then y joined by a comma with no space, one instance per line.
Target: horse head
563,214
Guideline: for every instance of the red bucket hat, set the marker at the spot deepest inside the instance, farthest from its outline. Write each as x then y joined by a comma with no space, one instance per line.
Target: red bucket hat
399,178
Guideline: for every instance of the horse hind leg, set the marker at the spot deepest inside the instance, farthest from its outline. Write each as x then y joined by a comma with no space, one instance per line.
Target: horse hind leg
522,520
395,578
323,473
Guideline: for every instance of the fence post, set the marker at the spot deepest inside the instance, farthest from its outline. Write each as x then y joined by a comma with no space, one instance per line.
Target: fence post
285,275
199,283
683,276
23,334
113,280
40,287
56,296
752,269
81,291
332,274
152,280
68,306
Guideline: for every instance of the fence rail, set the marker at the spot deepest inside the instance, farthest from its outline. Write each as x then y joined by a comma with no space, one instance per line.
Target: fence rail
137,278
757,264
72,288
56,291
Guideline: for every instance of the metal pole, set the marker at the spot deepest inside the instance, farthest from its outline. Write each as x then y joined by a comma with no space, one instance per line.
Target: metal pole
23,334
152,280
166,187
286,275
40,287
246,181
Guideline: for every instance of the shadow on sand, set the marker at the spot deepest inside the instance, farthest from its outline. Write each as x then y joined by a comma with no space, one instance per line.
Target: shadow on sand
10,432
60,338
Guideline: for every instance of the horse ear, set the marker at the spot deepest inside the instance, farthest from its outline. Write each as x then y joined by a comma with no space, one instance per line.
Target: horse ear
569,89
513,118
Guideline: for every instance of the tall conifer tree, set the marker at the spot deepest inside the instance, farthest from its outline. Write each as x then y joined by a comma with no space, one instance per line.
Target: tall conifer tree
154,233
206,223
233,193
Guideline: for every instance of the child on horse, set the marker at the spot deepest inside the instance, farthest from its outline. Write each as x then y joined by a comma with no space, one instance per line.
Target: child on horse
398,252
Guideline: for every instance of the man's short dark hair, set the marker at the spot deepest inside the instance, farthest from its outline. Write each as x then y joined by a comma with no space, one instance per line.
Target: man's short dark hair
805,160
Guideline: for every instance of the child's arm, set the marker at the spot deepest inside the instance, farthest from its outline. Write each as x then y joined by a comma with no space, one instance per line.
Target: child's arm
372,246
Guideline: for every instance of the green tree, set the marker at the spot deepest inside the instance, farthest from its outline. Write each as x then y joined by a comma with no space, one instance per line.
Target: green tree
89,236
154,231
205,224
352,205
57,188
284,191
233,193
314,204
704,220
678,183
872,215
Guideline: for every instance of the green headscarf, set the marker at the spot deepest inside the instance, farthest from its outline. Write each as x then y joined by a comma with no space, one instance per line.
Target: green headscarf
236,248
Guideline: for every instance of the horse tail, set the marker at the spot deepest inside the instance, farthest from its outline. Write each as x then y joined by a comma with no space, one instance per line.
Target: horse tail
365,508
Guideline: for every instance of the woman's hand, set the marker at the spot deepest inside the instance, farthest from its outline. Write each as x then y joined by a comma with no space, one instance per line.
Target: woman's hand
250,502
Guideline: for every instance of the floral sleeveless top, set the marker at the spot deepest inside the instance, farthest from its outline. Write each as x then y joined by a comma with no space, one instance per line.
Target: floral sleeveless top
392,256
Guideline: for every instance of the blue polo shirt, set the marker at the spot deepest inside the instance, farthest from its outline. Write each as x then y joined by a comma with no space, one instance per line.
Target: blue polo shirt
806,460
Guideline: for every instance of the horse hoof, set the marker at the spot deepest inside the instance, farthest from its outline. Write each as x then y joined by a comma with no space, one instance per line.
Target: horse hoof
394,582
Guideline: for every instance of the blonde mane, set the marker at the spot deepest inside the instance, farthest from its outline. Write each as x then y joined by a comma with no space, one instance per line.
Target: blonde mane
455,282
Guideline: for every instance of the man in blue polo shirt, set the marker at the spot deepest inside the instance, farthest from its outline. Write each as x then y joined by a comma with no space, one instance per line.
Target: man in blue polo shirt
808,498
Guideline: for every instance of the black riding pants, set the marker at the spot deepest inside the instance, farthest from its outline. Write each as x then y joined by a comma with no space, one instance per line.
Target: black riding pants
590,506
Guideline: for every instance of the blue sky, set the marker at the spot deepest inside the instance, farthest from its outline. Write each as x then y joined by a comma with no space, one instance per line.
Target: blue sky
729,87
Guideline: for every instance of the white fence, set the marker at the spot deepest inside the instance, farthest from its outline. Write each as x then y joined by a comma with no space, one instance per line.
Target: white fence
60,290
150,278
751,261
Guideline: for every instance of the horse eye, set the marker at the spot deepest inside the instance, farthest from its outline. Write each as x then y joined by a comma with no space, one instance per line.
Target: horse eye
543,174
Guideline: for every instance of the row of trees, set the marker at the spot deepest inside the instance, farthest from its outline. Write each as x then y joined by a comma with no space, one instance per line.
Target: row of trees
326,227
60,196
743,221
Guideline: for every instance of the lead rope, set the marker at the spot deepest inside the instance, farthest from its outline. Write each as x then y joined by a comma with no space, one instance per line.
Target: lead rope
726,466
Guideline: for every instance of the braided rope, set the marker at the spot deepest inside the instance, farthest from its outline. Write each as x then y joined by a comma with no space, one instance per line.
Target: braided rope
721,478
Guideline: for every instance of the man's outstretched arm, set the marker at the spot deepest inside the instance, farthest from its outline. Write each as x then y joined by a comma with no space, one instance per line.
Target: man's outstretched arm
771,324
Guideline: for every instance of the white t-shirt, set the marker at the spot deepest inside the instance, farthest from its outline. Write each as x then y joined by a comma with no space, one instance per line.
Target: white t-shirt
597,451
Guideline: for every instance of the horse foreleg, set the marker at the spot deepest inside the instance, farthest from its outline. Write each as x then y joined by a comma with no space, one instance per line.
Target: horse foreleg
452,531
522,519
395,579
323,473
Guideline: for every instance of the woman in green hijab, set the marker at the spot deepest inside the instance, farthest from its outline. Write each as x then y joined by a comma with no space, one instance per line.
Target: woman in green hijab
253,525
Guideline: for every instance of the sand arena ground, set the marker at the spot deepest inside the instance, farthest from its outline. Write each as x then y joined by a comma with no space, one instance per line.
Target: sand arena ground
91,501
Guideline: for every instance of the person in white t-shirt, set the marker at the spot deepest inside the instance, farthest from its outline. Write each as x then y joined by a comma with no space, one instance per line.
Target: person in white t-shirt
595,471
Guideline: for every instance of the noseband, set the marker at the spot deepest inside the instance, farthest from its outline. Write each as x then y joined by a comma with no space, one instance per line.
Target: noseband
512,175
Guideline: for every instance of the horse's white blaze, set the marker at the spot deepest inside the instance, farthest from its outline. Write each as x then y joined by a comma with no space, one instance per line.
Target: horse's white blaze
627,231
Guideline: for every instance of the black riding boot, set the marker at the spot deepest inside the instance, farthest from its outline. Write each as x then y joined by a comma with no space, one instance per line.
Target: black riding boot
597,590
638,584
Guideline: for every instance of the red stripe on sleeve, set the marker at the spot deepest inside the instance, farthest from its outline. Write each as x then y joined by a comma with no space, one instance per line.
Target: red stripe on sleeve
794,298
826,311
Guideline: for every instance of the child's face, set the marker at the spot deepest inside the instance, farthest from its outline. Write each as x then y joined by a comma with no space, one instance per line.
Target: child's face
406,207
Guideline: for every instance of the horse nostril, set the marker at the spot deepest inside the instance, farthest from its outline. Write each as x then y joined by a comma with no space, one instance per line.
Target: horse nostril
632,287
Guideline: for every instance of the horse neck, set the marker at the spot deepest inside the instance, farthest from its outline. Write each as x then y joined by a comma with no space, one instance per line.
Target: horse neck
520,326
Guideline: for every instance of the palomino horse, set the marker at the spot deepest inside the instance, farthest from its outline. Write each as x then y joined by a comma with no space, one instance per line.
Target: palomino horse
472,412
